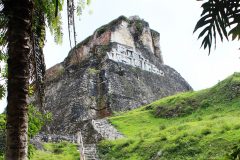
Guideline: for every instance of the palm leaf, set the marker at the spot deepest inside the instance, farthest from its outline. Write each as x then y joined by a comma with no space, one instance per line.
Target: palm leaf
214,36
215,19
223,24
204,31
235,32
203,21
206,7
219,30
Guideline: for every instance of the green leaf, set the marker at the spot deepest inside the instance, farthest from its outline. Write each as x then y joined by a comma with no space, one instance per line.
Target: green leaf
207,7
202,22
207,29
235,32
219,30
222,26
214,35
206,42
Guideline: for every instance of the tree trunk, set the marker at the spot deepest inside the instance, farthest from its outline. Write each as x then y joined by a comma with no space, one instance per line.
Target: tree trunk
19,13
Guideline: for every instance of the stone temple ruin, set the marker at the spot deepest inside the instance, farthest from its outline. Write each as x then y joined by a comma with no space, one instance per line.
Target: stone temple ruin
125,54
119,68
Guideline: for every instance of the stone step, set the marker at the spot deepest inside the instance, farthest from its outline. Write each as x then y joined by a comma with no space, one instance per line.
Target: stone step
90,158
89,148
90,152
90,145
90,155
103,127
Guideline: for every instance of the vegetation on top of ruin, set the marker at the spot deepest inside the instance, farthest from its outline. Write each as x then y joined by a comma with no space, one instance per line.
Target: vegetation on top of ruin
99,31
111,26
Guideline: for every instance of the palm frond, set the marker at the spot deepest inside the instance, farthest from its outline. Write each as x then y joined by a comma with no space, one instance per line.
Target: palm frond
214,21
52,10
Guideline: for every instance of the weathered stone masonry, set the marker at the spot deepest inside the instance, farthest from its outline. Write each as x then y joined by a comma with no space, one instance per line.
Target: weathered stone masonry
118,68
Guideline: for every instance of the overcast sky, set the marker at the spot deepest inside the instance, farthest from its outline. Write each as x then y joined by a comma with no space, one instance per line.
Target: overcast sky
175,21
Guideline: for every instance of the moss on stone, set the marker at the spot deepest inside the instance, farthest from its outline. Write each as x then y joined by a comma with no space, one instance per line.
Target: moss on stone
101,50
154,33
101,30
139,26
93,71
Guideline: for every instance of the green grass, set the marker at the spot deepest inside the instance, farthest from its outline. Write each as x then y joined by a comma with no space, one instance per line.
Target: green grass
57,151
194,125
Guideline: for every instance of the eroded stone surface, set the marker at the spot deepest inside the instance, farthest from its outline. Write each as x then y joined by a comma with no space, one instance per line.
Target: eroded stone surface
122,35
89,84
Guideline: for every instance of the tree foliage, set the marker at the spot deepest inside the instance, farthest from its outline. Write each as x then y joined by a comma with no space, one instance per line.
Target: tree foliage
3,56
219,18
3,76
47,13
22,30
36,121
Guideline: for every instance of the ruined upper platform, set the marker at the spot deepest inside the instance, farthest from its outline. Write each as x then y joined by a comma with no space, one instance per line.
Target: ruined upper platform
131,32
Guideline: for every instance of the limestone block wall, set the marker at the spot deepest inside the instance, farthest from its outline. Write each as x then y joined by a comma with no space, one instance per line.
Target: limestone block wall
84,49
123,35
146,39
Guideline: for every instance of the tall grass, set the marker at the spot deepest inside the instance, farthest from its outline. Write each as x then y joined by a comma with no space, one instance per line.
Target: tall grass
57,151
194,125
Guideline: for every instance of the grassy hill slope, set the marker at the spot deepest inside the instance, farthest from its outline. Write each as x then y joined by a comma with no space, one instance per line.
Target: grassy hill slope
193,125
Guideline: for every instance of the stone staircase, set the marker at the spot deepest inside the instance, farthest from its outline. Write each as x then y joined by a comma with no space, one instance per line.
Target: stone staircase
87,151
90,152
107,131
